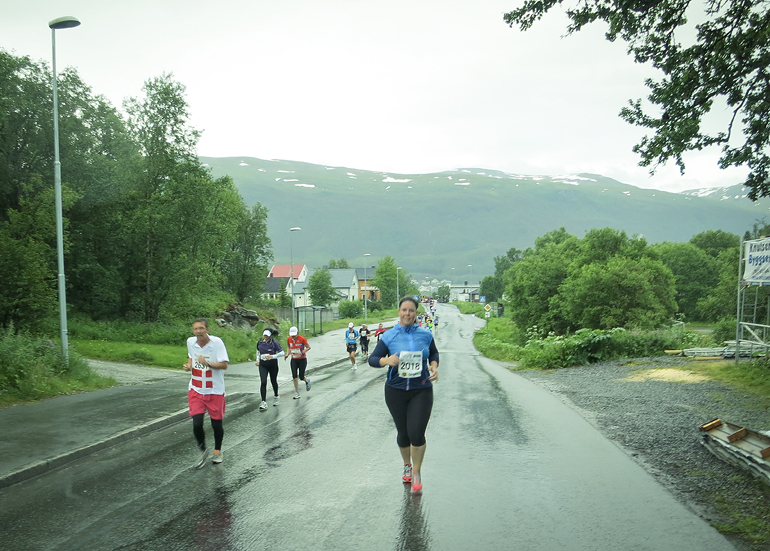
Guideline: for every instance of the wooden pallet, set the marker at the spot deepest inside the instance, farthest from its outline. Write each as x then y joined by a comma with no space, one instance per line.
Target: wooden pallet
745,448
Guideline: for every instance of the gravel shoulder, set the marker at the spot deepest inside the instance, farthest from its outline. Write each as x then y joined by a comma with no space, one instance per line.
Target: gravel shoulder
654,415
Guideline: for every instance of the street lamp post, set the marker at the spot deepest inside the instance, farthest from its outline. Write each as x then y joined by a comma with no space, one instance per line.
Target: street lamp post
60,23
365,293
291,259
470,282
398,295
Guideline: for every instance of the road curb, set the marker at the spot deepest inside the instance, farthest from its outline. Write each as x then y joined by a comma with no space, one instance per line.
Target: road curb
53,463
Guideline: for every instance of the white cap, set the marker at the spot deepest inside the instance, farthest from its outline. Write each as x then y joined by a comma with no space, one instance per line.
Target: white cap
293,332
350,325
267,333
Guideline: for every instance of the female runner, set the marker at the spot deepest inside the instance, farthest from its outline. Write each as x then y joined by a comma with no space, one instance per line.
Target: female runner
411,356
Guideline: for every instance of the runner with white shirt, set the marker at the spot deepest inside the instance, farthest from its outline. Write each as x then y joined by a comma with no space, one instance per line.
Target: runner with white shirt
206,360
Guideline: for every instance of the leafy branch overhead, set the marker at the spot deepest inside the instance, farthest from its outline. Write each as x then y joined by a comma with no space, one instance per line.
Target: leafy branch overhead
726,64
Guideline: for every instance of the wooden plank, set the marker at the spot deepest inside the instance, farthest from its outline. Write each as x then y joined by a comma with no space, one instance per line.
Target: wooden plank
738,435
711,425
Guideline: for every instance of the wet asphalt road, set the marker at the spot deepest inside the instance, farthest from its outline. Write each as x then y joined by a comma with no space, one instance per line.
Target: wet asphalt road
508,466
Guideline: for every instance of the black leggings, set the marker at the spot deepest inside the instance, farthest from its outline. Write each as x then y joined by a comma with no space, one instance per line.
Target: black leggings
200,436
410,410
265,367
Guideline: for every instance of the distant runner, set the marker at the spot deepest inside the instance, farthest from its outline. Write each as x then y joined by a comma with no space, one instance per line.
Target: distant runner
364,339
351,335
297,346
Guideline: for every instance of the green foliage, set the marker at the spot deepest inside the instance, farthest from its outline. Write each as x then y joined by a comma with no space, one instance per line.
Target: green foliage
475,308
149,234
351,308
723,62
621,292
695,272
492,288
713,242
320,288
721,300
499,340
602,281
340,264
443,294
83,328
724,330
33,369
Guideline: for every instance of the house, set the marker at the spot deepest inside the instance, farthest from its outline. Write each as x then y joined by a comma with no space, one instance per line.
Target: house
343,281
274,286
464,293
365,276
300,272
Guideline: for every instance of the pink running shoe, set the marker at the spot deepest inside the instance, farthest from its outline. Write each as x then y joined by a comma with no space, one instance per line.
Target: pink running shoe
416,484
407,478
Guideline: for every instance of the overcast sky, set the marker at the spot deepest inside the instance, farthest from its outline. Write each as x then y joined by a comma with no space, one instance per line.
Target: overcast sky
403,86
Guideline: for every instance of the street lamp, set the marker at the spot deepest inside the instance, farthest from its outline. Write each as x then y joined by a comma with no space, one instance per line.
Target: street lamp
365,293
470,282
291,259
398,295
60,23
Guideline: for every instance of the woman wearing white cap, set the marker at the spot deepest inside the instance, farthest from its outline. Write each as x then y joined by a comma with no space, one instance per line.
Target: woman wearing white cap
350,340
268,352
297,346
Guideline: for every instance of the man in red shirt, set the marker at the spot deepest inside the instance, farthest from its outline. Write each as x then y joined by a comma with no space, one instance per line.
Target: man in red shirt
297,348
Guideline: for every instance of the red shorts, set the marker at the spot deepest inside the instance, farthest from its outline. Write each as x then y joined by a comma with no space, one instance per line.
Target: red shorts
201,403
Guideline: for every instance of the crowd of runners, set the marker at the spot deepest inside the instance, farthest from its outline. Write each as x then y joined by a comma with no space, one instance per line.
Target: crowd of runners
407,350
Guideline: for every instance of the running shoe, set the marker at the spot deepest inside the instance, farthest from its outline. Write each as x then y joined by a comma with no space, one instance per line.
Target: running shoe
204,452
217,457
307,384
275,401
407,478
416,484
263,406
296,395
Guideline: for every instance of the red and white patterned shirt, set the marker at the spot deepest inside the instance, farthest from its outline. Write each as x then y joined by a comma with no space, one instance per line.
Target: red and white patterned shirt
205,380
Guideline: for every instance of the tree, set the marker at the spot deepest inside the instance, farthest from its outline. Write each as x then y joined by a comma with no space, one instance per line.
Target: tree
245,268
322,293
492,288
726,63
531,283
503,262
340,264
713,242
721,301
619,293
695,273
444,292
390,281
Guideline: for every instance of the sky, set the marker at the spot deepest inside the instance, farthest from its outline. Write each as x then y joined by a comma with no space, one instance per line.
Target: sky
400,86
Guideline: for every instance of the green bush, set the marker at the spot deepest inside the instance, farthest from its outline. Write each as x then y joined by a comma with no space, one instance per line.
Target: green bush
33,369
501,339
724,330
351,309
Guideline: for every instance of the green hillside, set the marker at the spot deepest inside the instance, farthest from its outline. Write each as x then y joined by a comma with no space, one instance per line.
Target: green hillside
434,222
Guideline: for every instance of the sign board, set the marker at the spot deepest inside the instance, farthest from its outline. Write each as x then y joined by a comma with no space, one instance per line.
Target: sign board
487,307
486,314
756,261
482,299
